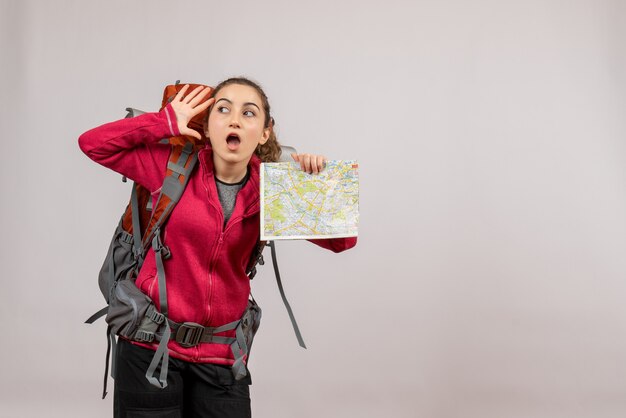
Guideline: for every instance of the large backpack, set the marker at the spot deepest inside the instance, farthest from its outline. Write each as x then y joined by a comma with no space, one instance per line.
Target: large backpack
129,312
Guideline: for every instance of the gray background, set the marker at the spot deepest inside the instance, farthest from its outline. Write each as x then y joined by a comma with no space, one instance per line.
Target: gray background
489,279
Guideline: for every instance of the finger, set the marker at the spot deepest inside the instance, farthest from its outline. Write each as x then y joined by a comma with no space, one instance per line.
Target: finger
181,93
314,166
320,163
295,157
202,107
187,99
307,163
201,95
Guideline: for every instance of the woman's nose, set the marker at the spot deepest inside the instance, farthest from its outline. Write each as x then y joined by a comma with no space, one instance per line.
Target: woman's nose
234,122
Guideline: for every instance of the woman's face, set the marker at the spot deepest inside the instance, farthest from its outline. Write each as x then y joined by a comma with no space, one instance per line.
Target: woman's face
236,124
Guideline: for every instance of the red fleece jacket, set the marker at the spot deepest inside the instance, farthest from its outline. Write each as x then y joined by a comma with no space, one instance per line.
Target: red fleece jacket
206,278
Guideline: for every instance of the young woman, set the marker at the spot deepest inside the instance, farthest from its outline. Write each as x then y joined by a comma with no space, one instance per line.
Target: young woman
211,235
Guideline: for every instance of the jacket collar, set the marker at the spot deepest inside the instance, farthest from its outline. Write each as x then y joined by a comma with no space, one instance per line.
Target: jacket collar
249,194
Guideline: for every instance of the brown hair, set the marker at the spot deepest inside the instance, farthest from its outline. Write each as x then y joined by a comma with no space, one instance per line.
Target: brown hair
270,151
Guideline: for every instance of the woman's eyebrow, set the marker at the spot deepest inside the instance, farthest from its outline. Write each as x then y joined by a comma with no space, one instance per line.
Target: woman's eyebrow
253,104
245,104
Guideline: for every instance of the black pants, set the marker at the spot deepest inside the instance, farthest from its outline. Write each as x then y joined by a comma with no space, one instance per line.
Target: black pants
193,390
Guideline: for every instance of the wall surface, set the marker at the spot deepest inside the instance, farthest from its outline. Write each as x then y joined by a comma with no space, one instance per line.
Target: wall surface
490,275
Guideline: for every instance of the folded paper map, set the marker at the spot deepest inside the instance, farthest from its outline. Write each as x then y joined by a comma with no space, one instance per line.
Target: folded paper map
297,205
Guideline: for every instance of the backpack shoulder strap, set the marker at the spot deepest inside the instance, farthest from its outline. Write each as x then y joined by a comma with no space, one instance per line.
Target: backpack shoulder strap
179,167
182,161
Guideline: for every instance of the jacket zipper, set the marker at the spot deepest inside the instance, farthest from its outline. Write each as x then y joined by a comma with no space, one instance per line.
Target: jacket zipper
220,241
216,250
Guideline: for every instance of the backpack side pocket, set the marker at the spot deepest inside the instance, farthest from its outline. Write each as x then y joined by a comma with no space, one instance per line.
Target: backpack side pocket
127,308
118,262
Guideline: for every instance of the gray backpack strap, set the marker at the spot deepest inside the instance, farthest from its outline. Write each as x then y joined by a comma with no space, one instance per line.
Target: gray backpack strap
161,252
111,348
137,250
239,349
161,355
190,334
172,188
93,318
272,245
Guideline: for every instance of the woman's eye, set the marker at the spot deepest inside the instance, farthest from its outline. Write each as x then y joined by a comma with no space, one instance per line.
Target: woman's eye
248,113
222,109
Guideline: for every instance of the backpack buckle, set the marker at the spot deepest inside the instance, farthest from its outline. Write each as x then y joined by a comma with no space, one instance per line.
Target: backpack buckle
154,315
144,336
165,252
189,334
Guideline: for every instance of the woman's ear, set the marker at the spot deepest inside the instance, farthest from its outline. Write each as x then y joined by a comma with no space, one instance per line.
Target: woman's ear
265,136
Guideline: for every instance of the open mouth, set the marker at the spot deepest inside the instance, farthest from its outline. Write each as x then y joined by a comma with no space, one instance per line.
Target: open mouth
233,141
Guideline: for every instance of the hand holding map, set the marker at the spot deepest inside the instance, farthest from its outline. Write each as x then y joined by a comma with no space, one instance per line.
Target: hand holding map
297,205
310,163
